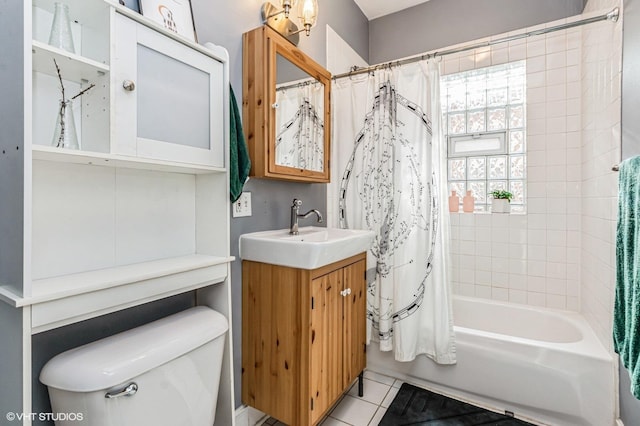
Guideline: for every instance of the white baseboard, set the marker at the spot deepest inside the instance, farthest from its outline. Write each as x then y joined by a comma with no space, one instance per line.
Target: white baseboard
249,416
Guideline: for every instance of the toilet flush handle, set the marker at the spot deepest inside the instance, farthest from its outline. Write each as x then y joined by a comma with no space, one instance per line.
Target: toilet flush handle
129,390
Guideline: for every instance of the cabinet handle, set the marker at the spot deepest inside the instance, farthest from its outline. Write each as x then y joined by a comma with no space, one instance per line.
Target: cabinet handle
129,85
345,292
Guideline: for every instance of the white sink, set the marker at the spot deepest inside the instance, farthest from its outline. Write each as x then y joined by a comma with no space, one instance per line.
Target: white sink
312,248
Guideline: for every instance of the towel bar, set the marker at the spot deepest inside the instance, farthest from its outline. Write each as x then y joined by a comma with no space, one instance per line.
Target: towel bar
615,167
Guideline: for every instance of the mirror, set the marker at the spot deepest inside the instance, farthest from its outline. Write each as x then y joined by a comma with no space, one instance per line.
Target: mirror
299,118
286,109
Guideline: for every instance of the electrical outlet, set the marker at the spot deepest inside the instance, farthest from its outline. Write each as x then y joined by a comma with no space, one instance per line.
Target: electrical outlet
242,206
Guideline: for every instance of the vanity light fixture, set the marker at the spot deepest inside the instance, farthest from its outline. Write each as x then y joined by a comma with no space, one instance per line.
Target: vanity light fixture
307,13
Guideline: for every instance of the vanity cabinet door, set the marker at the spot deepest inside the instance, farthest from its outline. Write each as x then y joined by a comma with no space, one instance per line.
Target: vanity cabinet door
326,345
338,333
168,98
354,320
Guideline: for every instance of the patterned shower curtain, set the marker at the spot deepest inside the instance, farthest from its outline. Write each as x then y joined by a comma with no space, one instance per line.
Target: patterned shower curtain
388,175
300,126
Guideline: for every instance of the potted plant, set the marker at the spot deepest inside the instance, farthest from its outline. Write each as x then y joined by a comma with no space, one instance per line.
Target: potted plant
500,201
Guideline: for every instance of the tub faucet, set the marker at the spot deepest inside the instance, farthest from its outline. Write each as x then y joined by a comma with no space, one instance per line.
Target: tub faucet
295,215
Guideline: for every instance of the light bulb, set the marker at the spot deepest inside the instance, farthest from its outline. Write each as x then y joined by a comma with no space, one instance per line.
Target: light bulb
308,14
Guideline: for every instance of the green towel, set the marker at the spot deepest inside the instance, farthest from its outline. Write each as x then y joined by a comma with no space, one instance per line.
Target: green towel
626,310
239,162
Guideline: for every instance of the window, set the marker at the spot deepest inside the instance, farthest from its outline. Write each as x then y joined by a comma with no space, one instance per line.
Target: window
485,126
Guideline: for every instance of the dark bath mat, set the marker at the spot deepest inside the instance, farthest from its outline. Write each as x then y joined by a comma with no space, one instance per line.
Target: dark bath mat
415,406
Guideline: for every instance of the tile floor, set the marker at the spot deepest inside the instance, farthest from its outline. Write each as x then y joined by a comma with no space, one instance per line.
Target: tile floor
379,391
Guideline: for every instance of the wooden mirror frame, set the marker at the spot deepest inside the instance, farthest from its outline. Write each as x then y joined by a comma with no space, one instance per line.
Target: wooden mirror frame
260,47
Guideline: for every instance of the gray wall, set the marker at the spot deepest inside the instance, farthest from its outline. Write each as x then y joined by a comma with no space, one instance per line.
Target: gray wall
629,405
11,360
11,201
224,25
440,23
11,145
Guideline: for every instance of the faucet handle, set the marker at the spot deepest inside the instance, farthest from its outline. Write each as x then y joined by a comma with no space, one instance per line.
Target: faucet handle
297,202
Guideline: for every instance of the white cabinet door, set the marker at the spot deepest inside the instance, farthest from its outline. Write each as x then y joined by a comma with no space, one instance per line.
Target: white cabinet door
168,98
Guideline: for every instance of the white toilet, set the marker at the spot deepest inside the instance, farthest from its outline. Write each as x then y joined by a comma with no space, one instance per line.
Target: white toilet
163,373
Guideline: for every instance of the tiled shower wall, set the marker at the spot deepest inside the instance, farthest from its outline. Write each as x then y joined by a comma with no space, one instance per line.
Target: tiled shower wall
531,258
601,94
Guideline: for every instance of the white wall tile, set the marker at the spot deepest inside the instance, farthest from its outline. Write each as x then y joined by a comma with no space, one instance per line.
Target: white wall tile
536,64
535,47
501,294
518,251
536,79
483,277
556,76
536,269
556,42
537,252
483,248
499,250
557,92
556,286
483,263
536,299
499,56
483,58
518,296
517,52
572,139
573,303
483,234
590,283
483,291
556,301
451,66
557,254
573,74
573,57
466,276
557,60
537,221
517,267
467,62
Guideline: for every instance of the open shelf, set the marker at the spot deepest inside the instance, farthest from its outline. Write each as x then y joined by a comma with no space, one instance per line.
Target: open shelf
49,153
62,300
73,67
79,10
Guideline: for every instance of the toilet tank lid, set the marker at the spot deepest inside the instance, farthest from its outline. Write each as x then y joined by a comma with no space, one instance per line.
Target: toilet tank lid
114,360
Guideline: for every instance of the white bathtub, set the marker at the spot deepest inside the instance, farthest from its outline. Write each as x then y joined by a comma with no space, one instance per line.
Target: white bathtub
545,366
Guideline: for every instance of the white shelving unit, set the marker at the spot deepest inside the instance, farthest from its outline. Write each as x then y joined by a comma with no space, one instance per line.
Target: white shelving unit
128,218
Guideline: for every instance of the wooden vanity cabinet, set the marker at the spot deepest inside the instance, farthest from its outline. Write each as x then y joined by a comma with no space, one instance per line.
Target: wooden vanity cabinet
303,337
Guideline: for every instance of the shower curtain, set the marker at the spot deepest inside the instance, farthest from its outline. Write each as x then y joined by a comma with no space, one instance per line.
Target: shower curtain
389,177
300,126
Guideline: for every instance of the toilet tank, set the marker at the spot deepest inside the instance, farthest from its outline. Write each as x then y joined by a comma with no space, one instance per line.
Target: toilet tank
163,373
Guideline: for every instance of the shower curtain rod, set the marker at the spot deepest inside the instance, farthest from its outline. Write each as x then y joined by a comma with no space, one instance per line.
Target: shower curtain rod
301,84
611,16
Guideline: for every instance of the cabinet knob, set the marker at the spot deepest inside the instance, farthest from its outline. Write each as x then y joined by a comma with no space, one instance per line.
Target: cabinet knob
129,85
345,292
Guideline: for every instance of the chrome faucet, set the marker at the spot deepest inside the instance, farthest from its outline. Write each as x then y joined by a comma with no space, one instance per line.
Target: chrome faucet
295,215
